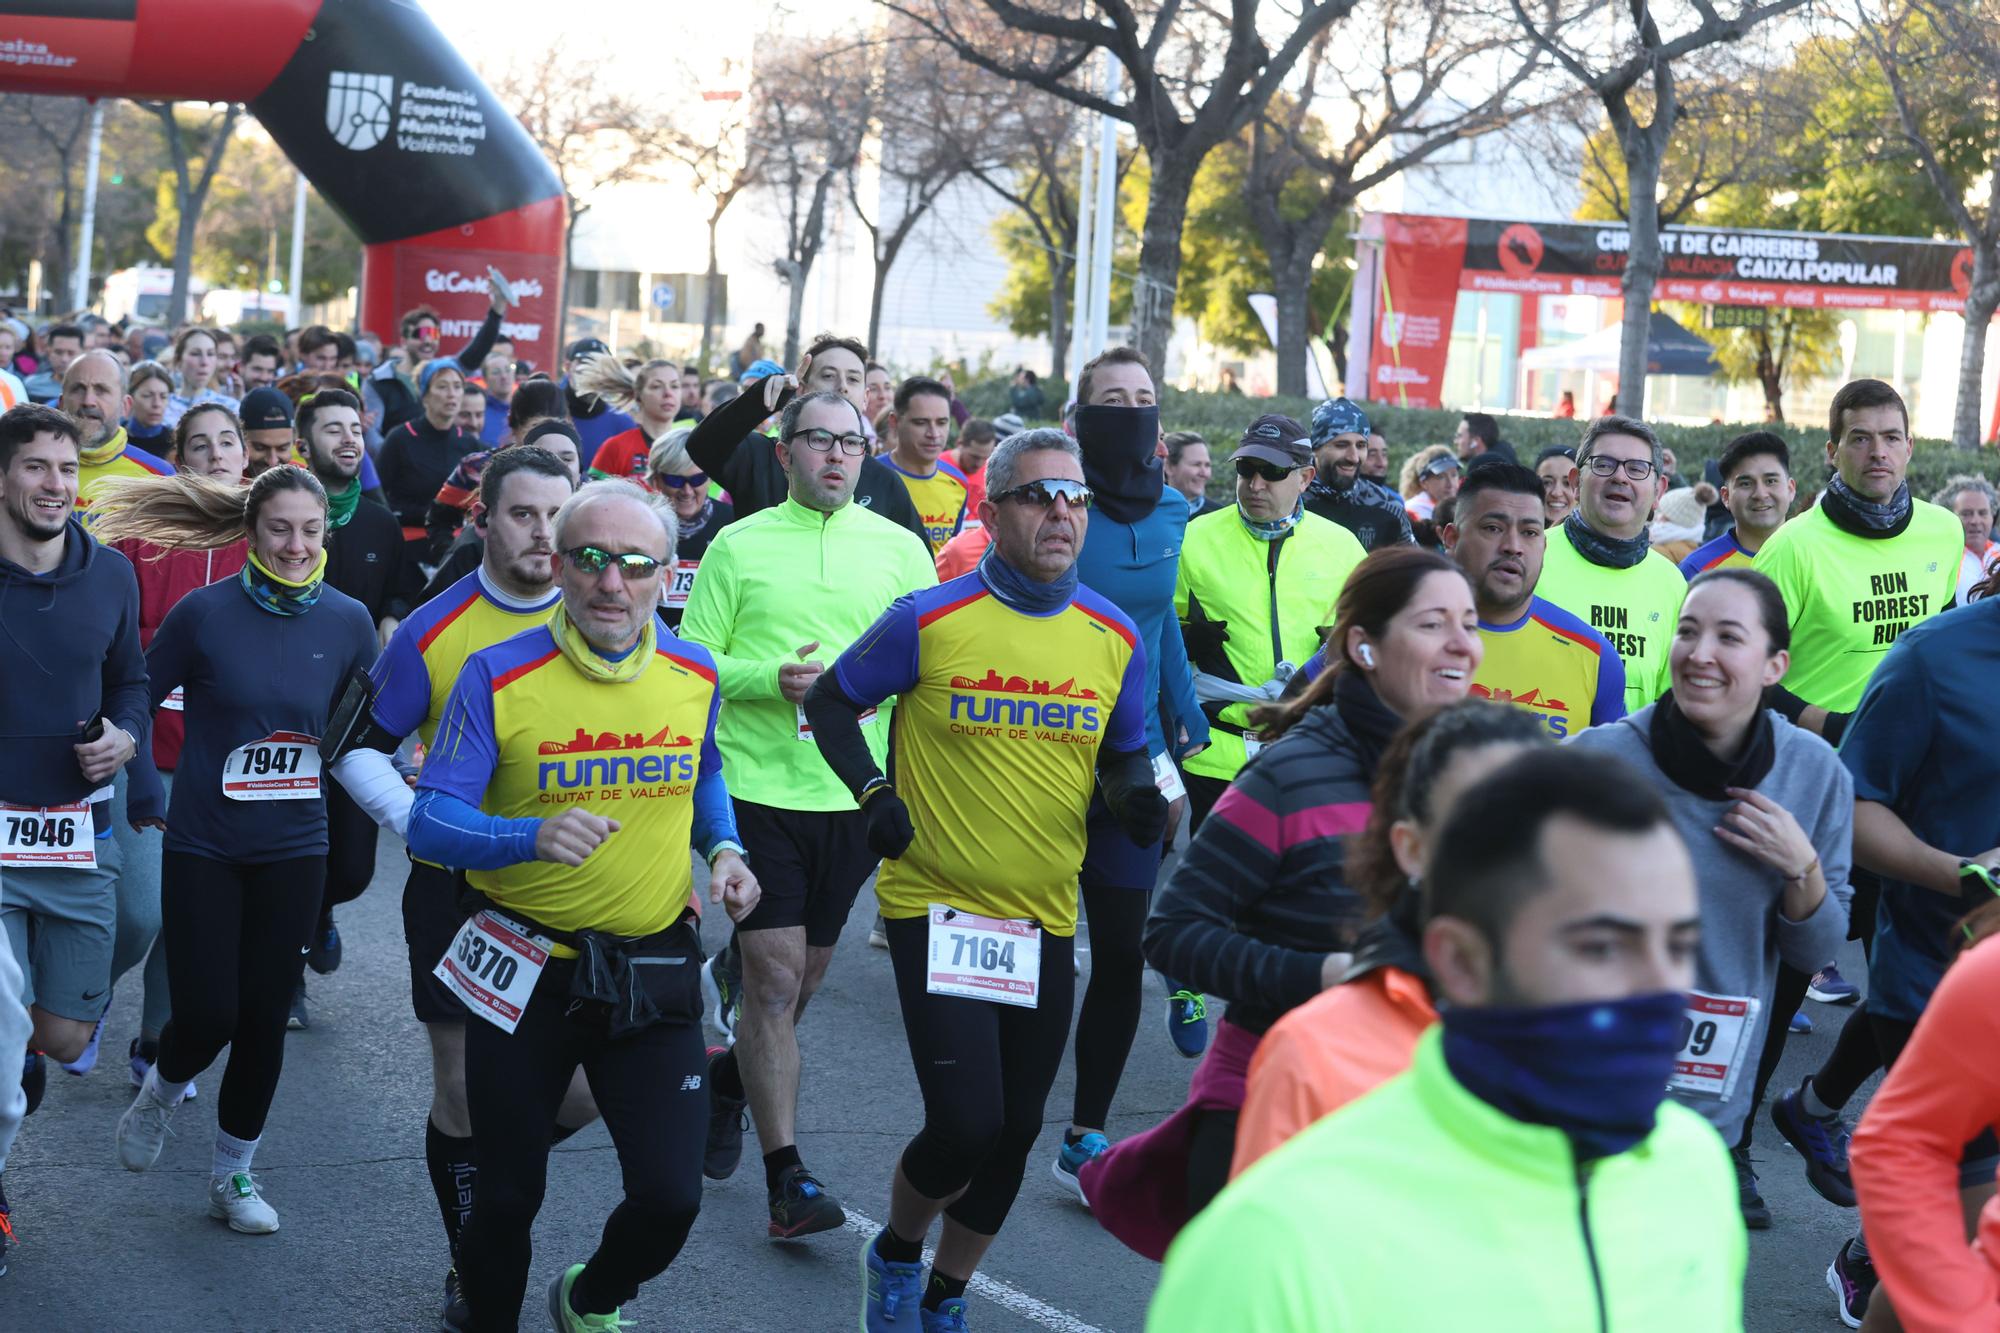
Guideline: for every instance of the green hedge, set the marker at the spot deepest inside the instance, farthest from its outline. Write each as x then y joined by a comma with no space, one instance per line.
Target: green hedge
1220,418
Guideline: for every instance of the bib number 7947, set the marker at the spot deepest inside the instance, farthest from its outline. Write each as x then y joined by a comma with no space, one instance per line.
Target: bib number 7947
983,957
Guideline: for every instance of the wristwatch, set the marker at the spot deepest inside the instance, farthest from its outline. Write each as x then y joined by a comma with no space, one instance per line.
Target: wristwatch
1970,869
726,846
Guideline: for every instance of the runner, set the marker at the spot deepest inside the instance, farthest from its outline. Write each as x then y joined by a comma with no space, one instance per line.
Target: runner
780,594
1600,566
977,655
1189,469
1130,557
509,591
1352,1037
63,344
1560,925
1339,493
596,420
418,455
977,439
1375,460
1477,437
1757,487
151,385
391,393
246,841
497,376
93,394
652,393
261,356
196,363
1430,478
918,429
1255,589
1767,812
1259,911
617,889
1556,466
267,415
1972,499
697,513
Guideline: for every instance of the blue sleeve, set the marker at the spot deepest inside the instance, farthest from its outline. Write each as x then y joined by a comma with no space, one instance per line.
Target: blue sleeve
465,750
1315,666
883,661
1125,729
402,681
451,832
1177,683
370,479
122,688
1609,705
714,813
172,651
1890,735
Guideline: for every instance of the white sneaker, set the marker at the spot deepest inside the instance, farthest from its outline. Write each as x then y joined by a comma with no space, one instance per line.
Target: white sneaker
878,938
142,1130
234,1199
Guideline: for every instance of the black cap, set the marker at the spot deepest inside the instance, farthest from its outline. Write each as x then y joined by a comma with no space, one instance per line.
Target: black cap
1276,439
265,409
584,347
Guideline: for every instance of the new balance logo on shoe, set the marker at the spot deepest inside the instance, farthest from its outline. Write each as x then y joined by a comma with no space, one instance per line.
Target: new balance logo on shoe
691,1083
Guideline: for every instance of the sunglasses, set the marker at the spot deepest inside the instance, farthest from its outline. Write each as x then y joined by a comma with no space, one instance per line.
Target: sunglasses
1247,468
424,331
674,481
1044,493
631,564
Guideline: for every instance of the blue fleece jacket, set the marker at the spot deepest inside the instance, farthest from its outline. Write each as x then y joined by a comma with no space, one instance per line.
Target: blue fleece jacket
69,650
1132,565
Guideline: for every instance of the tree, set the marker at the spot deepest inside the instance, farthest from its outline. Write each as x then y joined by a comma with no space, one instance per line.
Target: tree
243,236
724,159
190,184
1197,76
1038,239
1632,76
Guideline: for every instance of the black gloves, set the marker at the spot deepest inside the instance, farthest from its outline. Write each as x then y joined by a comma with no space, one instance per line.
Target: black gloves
889,829
1204,639
1126,780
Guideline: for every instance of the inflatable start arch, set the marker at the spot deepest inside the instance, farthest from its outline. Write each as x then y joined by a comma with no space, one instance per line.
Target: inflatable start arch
374,106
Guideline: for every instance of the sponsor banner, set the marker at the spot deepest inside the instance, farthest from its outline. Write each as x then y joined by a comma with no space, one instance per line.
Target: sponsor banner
453,283
46,42
1421,262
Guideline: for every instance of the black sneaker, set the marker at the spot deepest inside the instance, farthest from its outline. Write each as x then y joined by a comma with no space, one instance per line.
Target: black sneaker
34,1080
727,1120
298,1020
1852,1279
1822,1141
323,954
801,1206
454,1316
1756,1213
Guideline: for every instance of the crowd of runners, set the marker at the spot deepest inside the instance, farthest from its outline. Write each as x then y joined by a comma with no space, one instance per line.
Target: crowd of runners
1523,806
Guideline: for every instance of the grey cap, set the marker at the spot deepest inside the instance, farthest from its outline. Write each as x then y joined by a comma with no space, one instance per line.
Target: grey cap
1278,440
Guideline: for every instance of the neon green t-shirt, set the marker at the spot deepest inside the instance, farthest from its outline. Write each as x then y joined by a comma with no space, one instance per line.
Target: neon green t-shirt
1635,608
1850,596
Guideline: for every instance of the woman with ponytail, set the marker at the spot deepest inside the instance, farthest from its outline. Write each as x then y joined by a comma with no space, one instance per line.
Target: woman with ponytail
262,659
651,394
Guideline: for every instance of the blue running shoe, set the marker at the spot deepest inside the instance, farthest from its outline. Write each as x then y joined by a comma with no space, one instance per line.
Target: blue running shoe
947,1318
323,953
1829,987
1822,1141
86,1062
1069,1161
141,1055
891,1294
1187,1020
1801,1024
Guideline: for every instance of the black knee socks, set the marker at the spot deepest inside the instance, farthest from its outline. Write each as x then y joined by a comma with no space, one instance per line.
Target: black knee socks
453,1175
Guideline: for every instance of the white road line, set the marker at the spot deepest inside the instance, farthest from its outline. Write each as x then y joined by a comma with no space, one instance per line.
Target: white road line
1009,1298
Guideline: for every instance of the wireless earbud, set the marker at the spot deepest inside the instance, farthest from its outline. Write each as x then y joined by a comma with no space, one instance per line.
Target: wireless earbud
1366,654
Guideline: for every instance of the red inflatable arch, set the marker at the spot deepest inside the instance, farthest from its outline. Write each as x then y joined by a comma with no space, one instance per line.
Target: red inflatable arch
371,102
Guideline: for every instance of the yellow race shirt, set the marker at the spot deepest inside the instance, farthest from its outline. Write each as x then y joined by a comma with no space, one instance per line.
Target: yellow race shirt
1850,596
1635,608
1555,666
999,717
526,735
130,461
1725,552
414,675
939,498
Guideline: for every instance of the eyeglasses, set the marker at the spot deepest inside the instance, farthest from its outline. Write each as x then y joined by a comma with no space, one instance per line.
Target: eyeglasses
631,564
673,481
1046,492
1247,468
1638,469
822,442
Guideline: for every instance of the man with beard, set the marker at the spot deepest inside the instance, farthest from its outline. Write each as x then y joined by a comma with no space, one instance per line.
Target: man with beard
1369,510
393,396
93,393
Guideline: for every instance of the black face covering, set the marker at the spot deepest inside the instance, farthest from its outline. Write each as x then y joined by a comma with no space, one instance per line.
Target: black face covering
1121,459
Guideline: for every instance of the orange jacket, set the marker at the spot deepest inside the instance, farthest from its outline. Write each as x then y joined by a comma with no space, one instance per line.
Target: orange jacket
961,554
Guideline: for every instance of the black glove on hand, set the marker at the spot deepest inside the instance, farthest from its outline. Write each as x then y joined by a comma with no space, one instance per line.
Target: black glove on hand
890,832
1142,813
1204,638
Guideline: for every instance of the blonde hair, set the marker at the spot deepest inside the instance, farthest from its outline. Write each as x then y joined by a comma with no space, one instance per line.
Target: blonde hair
1406,481
605,376
669,454
184,512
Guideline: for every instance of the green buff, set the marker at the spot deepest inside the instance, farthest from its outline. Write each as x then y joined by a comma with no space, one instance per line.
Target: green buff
1635,608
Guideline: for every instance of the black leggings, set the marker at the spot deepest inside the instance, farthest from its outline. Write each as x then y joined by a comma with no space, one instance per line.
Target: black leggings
649,1088
1787,996
1109,1018
1203,793
350,840
1210,1151
233,935
985,1071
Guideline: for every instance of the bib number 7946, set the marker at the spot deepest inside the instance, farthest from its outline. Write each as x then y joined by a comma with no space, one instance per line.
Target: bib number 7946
54,836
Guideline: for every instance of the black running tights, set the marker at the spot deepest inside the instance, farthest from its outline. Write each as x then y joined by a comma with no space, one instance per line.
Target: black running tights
1109,1018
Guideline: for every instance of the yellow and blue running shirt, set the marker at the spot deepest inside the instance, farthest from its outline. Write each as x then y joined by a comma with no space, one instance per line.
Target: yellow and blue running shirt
1555,666
999,717
526,735
413,676
1725,552
939,498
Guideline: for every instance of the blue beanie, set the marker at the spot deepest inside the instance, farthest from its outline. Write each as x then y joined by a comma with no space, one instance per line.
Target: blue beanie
760,369
430,372
1337,416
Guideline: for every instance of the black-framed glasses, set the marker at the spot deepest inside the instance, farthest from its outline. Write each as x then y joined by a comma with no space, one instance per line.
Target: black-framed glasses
1603,465
1046,492
822,442
673,481
593,560
1247,468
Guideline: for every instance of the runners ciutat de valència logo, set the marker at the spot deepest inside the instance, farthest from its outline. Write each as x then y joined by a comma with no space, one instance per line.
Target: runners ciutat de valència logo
358,108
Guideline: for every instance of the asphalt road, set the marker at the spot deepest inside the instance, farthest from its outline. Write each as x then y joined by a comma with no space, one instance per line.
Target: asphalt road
361,1247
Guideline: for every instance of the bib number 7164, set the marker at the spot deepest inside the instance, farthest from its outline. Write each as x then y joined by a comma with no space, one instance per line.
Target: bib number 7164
983,957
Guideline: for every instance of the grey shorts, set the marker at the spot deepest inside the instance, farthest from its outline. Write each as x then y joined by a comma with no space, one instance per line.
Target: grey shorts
61,924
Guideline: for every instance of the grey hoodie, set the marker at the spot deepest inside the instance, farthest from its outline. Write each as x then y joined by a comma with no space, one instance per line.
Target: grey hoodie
1743,934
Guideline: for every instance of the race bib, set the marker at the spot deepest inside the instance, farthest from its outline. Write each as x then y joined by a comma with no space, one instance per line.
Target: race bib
1714,1033
1251,745
679,585
984,958
805,727
175,702
1168,778
284,766
57,835
493,966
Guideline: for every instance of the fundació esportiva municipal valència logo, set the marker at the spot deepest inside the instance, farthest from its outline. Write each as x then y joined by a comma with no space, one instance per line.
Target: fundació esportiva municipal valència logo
358,107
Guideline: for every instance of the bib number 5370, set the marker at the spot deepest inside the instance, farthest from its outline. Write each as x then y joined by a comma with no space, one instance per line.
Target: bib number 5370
493,965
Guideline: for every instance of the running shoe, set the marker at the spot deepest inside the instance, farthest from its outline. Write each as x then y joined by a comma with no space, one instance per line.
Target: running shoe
722,994
142,1054
234,1199
6,1229
878,936
1829,987
1801,1024
1822,1141
801,1206
454,1316
1070,1159
142,1130
1756,1213
323,954
34,1080
891,1294
947,1318
563,1319
1187,1021
1851,1277
298,1020
727,1119
86,1062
